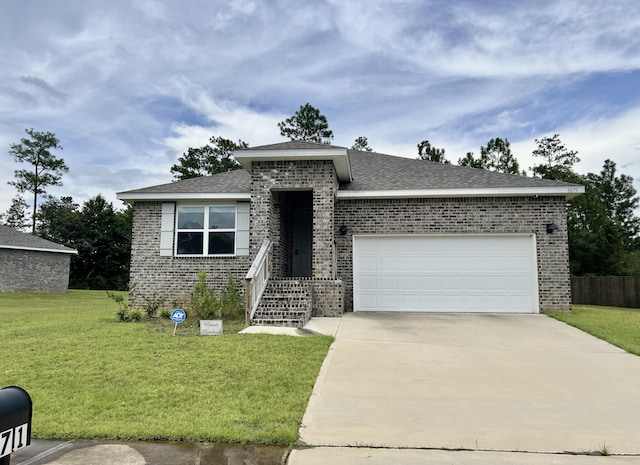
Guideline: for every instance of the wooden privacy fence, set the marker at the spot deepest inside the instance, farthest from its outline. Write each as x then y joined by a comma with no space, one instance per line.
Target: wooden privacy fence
613,291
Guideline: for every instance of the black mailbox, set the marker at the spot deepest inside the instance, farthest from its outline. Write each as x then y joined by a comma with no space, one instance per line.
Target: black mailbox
15,420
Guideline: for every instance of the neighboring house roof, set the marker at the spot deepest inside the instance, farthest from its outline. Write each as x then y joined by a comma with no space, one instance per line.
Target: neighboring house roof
373,175
13,239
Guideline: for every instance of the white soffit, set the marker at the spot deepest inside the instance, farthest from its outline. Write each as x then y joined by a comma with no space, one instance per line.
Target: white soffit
568,192
338,156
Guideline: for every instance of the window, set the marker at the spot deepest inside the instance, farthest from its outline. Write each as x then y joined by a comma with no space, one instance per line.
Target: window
206,230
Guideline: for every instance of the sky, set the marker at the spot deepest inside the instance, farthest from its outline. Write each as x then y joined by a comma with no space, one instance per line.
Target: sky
128,86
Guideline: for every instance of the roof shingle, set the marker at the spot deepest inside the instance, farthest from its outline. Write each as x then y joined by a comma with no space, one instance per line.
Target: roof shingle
13,239
371,171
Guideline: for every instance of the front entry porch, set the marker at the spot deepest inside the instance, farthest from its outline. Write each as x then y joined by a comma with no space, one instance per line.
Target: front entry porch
288,301
292,215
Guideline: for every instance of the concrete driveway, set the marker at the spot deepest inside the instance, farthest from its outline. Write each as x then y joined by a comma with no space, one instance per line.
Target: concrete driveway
521,383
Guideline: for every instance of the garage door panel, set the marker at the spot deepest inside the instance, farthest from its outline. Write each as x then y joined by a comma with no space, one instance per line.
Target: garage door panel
387,264
410,282
464,273
388,282
388,301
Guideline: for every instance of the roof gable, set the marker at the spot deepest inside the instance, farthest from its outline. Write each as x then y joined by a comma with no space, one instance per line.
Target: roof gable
298,151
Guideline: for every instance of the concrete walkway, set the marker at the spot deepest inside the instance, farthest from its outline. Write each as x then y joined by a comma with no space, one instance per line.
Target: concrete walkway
481,383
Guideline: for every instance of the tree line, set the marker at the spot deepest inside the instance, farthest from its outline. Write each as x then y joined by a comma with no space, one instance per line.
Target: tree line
602,225
100,233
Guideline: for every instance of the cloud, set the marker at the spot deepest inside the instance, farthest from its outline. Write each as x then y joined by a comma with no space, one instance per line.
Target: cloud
224,18
54,96
592,139
128,87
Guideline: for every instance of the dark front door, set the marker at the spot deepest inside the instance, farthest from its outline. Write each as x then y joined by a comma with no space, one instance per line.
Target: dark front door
301,241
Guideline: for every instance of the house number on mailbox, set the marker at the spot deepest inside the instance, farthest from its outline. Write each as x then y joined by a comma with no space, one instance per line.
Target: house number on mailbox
13,439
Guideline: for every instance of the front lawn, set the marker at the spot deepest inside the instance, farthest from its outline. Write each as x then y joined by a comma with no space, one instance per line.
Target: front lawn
619,326
91,376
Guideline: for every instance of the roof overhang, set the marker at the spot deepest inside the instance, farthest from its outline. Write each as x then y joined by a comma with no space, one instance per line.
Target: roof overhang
338,156
39,249
173,196
568,192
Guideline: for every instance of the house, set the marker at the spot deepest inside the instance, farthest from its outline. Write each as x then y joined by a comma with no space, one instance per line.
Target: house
322,229
31,264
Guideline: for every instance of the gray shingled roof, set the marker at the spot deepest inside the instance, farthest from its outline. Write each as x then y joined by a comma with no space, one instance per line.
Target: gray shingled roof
371,171
375,171
13,239
234,182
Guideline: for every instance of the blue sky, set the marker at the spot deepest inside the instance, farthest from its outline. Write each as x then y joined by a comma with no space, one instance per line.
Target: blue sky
128,86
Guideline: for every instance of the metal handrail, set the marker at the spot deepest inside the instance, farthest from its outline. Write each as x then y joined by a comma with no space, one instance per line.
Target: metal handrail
257,278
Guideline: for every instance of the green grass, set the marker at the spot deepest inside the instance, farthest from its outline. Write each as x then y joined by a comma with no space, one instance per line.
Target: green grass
619,326
91,376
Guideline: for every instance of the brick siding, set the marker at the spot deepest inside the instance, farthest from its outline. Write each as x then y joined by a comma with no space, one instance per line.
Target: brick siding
464,216
34,271
316,175
172,277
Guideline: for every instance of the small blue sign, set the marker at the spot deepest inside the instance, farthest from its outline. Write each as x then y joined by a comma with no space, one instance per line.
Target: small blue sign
178,315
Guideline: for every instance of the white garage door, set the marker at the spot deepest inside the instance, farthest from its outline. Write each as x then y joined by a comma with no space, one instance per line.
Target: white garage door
457,273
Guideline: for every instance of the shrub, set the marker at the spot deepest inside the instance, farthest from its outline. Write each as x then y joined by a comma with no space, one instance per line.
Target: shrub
204,304
165,314
153,304
123,312
231,300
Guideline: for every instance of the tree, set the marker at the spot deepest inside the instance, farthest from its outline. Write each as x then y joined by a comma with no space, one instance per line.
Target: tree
104,250
361,144
498,156
59,221
618,197
209,159
427,152
307,124
470,160
100,234
602,225
16,216
47,169
558,160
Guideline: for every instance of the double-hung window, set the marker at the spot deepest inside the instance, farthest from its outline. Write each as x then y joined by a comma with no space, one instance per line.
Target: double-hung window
206,230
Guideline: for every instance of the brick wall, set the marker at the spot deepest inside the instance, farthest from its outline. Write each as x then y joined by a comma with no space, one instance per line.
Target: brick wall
328,297
316,175
34,271
172,277
464,215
